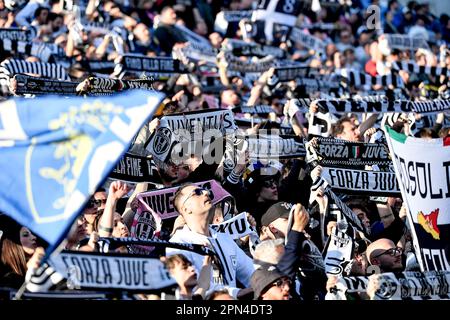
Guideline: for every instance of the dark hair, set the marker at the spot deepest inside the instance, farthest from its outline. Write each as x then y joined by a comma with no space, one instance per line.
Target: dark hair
169,262
427,133
53,16
100,189
338,127
39,10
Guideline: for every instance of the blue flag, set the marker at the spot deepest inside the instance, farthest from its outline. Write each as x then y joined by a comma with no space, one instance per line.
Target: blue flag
55,152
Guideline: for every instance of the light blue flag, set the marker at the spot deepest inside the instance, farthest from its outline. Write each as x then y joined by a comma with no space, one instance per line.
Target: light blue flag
55,152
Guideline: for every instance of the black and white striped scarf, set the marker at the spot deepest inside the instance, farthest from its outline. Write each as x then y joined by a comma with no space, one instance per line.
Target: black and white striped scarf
10,67
413,67
41,50
347,213
39,86
106,86
96,86
359,79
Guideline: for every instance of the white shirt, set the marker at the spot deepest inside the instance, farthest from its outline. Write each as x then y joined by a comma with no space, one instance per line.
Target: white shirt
236,264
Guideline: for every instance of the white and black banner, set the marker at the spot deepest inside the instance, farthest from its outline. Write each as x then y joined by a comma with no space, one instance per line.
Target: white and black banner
275,147
405,42
86,270
413,67
99,66
432,285
313,85
337,152
275,16
338,252
351,181
188,127
324,26
284,74
319,124
362,106
114,243
141,63
252,49
236,64
225,20
297,35
238,227
423,172
135,168
41,50
17,34
193,52
242,122
161,200
260,110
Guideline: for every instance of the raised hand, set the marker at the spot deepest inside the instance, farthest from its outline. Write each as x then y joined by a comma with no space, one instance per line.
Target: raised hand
301,218
118,189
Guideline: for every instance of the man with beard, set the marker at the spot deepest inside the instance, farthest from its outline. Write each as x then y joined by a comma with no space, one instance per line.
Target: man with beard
384,254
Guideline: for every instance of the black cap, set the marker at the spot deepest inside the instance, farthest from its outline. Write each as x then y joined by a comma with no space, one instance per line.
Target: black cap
277,210
263,278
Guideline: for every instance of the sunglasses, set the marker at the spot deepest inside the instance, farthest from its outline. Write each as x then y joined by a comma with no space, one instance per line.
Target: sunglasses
197,192
392,252
95,203
280,283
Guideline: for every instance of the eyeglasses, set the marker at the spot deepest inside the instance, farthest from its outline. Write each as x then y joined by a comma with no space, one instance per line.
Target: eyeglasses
197,192
280,283
392,252
269,183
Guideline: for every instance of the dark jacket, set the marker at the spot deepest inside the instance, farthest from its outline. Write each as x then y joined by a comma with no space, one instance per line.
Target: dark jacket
303,260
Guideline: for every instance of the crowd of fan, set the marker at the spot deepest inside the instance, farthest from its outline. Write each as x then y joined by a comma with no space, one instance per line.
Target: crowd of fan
288,263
